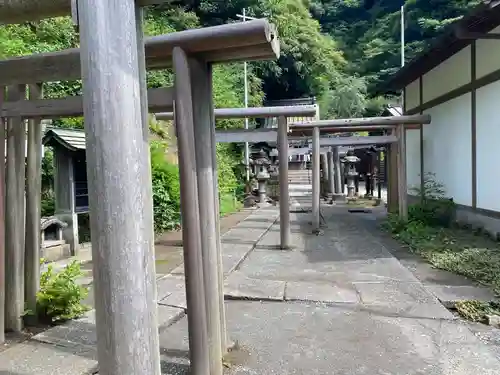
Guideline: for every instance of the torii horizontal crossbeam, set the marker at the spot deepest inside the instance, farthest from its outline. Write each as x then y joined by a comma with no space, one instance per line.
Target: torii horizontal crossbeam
18,11
358,141
255,112
389,121
251,40
270,135
246,135
160,99
305,130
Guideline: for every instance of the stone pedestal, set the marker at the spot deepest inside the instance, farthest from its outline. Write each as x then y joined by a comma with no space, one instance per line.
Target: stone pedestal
262,165
262,191
350,161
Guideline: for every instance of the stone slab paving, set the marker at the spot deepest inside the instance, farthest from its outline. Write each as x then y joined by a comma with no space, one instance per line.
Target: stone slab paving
70,348
237,285
320,292
311,338
348,307
81,333
33,357
171,291
338,303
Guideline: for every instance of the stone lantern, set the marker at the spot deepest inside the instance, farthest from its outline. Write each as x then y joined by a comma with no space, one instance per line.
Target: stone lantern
262,175
350,161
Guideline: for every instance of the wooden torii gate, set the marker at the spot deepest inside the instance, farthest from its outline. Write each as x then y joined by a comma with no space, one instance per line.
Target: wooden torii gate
279,135
112,63
397,150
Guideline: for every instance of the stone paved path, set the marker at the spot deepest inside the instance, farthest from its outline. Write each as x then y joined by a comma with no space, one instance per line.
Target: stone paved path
339,303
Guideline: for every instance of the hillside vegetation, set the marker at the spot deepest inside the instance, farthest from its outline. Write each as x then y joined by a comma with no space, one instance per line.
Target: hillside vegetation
335,50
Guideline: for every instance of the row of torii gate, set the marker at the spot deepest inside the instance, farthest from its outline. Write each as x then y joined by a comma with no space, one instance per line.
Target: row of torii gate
112,63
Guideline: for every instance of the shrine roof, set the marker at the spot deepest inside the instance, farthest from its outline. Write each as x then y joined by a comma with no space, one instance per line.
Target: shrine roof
70,139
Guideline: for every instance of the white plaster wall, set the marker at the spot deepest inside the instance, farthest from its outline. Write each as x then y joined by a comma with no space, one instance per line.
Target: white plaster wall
412,93
488,146
412,159
447,76
487,55
447,147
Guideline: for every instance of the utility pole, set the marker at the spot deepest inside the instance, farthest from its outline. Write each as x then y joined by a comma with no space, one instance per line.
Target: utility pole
402,44
403,34
244,17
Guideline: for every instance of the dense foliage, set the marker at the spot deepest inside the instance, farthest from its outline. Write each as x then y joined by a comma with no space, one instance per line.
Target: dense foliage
335,50
368,31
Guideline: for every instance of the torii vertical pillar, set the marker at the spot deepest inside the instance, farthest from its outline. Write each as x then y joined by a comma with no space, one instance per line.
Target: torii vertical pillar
324,175
14,216
2,223
401,167
225,340
121,211
392,177
33,206
199,352
315,181
283,182
338,176
331,173
201,81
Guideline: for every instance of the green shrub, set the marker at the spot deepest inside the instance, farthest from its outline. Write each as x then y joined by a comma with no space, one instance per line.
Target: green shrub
60,297
229,204
434,208
226,165
393,223
166,190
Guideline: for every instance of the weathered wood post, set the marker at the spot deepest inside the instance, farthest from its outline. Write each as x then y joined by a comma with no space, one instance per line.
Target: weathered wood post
324,174
283,182
14,208
342,177
315,180
119,184
193,263
392,176
201,86
225,341
331,172
381,170
33,207
339,175
402,183
2,222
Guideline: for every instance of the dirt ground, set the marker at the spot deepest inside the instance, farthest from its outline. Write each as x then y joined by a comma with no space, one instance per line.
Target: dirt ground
168,246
